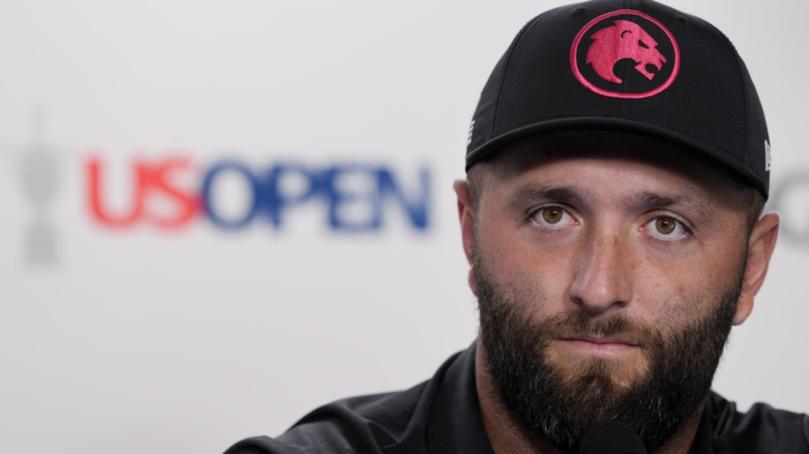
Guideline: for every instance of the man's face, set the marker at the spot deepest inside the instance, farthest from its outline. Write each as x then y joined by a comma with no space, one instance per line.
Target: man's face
607,283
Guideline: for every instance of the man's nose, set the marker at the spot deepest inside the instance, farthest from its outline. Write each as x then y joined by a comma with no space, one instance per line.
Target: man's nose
602,279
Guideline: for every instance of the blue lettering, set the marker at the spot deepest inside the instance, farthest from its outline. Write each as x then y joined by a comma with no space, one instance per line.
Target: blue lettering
341,198
354,195
416,208
208,183
273,196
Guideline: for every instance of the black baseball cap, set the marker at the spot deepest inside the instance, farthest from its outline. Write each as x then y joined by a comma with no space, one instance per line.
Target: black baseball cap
633,66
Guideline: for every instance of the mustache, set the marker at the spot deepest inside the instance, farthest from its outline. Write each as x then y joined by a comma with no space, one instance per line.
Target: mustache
578,324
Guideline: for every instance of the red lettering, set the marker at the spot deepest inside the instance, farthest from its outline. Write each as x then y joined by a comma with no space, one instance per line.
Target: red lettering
101,212
188,205
151,179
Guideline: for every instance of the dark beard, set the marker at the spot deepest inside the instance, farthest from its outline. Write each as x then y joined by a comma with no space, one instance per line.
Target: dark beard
681,368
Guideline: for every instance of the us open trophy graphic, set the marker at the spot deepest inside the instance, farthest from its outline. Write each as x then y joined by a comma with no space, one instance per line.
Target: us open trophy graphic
39,177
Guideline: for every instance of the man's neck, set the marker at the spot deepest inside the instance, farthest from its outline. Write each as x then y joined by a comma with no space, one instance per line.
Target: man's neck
508,435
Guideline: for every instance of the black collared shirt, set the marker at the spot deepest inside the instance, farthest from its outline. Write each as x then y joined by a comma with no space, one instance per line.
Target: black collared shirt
441,415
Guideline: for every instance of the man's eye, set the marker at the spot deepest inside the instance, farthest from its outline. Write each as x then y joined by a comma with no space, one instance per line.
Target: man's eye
552,217
665,225
667,228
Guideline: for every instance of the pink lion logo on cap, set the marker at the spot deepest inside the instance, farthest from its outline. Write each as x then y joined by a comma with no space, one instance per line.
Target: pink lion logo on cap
619,36
624,40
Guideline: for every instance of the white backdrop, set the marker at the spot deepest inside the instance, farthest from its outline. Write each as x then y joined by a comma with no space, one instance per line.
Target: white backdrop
141,340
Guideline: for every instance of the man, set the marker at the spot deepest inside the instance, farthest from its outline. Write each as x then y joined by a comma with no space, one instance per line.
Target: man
617,167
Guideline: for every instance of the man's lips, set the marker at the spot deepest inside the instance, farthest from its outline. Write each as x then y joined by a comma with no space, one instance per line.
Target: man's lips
602,340
600,345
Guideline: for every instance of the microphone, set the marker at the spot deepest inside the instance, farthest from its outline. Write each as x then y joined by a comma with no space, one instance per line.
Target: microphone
611,437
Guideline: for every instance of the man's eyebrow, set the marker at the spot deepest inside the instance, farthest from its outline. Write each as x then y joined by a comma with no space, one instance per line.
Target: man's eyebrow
534,193
647,200
571,195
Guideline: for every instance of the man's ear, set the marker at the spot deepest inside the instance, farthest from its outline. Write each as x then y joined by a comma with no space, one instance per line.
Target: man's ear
466,216
760,248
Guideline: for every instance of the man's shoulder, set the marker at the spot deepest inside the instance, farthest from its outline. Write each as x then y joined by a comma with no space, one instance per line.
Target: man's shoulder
389,423
365,423
762,428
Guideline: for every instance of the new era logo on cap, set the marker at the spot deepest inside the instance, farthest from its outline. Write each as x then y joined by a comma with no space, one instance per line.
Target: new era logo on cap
767,156
625,54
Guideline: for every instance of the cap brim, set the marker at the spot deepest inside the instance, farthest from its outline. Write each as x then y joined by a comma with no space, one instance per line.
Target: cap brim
712,151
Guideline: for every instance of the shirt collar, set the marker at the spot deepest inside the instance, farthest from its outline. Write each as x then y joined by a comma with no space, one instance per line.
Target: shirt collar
455,423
